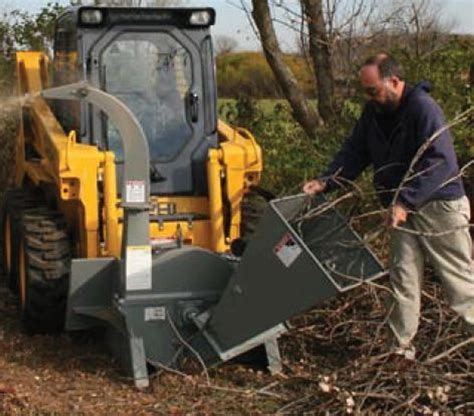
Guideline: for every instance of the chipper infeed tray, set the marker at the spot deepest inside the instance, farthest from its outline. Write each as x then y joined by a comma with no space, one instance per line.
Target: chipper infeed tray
288,267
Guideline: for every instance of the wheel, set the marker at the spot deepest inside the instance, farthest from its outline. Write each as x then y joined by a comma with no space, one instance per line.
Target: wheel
15,202
7,248
44,260
251,212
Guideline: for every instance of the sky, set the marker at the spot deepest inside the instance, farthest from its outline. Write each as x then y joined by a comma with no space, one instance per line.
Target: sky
232,22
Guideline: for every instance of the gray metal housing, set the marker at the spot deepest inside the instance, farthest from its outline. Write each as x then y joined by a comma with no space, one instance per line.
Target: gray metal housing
283,273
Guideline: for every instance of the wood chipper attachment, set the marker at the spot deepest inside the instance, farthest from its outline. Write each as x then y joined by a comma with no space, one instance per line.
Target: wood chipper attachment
287,268
154,306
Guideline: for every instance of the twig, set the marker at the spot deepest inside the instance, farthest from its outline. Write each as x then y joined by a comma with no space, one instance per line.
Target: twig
242,391
450,351
189,347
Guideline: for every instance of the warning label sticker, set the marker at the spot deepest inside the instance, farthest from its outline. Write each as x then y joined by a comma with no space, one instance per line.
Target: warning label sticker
135,192
157,313
287,250
138,268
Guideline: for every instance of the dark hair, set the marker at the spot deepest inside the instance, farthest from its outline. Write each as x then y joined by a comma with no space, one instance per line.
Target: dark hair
387,65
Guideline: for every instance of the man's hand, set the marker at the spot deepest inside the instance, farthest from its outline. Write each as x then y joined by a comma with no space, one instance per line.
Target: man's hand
397,215
314,187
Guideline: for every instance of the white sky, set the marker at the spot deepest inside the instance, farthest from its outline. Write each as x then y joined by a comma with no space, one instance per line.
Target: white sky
232,22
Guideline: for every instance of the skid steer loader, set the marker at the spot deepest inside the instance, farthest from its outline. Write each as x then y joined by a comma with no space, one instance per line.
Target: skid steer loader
128,196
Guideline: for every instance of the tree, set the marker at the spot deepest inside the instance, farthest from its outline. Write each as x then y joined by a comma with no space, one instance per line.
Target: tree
320,51
303,113
312,17
419,24
334,36
225,45
25,30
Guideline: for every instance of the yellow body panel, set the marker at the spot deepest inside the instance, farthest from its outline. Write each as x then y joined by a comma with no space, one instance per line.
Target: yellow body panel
70,168
241,158
47,156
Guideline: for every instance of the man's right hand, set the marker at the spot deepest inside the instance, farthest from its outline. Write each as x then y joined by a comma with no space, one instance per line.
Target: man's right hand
314,187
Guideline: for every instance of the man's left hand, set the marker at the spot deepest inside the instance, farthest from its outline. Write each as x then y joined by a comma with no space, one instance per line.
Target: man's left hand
397,215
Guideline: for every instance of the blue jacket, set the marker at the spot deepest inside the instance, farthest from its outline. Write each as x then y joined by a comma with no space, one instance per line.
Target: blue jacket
390,142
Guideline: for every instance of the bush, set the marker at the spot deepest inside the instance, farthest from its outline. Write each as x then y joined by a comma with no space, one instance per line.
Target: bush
448,70
290,158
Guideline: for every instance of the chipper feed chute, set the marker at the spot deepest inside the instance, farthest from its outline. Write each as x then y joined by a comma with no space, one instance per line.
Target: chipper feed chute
156,306
287,268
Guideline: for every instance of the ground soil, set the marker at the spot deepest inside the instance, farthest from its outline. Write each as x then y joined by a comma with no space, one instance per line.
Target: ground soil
334,359
74,374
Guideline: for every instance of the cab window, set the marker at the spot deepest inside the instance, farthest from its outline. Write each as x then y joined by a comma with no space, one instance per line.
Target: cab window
65,71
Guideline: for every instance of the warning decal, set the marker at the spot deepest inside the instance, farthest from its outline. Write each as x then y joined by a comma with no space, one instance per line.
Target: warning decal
287,250
157,313
138,268
135,192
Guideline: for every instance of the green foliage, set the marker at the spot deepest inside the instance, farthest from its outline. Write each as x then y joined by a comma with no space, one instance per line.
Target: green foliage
7,69
351,109
35,31
23,30
448,70
290,158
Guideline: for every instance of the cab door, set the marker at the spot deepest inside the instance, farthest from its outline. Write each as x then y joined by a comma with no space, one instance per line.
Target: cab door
159,76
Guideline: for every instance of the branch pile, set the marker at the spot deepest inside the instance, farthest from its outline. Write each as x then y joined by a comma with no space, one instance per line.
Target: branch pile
344,365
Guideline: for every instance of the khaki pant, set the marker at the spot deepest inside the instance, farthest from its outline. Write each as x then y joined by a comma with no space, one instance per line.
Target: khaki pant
449,254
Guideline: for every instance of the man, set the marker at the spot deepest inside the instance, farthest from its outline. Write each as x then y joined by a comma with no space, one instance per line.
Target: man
403,134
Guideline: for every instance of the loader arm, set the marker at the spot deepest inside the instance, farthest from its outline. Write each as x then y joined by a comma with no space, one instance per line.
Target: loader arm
51,158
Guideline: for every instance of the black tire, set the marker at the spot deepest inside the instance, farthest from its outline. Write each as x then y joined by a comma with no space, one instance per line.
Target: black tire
251,212
15,203
252,208
44,267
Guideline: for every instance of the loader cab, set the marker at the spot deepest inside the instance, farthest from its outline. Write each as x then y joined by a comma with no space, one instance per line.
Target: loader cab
160,63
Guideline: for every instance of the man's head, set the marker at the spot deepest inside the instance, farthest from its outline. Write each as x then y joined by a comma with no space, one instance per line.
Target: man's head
383,82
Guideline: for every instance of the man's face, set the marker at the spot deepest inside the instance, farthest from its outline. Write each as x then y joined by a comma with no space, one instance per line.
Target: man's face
382,92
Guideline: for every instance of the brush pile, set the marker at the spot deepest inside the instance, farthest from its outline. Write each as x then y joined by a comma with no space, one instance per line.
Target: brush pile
344,365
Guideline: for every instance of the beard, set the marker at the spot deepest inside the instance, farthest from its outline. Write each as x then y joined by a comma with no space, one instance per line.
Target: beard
390,105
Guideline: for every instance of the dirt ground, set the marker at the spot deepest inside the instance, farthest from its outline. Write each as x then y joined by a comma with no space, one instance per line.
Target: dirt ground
334,363
73,374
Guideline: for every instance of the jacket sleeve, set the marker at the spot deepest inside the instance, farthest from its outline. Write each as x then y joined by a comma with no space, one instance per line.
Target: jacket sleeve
351,159
437,164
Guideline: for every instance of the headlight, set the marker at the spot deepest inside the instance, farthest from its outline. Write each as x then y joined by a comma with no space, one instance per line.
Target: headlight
201,18
91,17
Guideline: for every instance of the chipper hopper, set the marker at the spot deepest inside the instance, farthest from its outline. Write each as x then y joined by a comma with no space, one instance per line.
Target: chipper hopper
155,304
